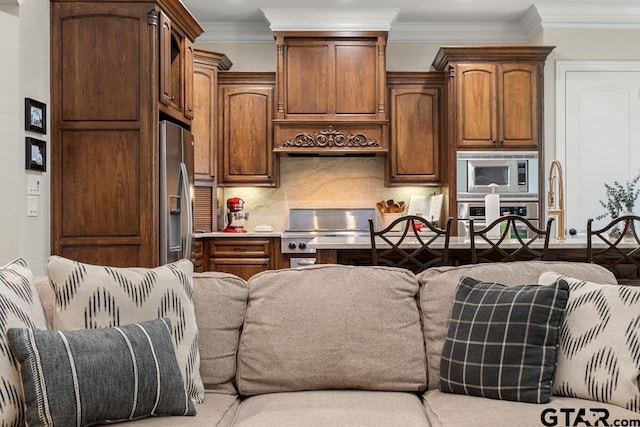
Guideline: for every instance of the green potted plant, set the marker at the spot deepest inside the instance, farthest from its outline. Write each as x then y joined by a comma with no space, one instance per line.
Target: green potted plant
621,199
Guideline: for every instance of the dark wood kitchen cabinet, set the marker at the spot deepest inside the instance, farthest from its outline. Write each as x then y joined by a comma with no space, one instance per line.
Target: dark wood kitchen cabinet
204,127
106,103
416,111
245,114
242,256
496,95
328,76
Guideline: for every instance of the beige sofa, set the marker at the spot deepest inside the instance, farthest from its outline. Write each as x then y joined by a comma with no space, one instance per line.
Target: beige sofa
332,345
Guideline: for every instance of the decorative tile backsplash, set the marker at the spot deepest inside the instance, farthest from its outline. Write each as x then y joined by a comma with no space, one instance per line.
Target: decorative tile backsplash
320,182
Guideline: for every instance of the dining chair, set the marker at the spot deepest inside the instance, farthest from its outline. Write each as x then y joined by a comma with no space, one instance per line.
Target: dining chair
618,247
410,242
515,241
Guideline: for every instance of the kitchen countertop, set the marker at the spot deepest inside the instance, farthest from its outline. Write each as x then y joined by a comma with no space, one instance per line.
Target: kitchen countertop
249,233
455,242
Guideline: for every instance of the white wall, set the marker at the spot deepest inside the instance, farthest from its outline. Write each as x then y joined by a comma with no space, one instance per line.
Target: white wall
24,72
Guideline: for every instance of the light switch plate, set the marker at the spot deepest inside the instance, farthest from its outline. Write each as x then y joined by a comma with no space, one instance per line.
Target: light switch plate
32,206
34,184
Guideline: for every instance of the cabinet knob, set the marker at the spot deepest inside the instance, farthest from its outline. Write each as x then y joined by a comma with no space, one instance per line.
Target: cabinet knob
573,232
189,109
173,98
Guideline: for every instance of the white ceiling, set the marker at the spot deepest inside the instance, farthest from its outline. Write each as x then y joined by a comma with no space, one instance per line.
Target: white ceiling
424,20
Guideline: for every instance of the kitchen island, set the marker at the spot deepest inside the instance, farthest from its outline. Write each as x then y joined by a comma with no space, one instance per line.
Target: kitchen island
357,249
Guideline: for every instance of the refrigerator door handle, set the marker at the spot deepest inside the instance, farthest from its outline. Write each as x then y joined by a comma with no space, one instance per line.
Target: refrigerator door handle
184,178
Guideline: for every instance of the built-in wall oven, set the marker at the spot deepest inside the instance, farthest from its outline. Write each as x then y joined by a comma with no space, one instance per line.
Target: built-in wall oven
514,172
476,212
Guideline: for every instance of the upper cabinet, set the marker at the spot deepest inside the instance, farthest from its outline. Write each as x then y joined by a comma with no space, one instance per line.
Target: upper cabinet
205,121
176,70
105,110
327,76
416,109
331,92
245,141
495,94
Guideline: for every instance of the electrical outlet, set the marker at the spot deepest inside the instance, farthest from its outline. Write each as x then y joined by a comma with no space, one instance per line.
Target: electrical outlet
32,206
33,185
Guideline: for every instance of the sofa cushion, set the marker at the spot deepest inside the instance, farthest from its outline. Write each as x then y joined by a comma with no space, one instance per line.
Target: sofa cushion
332,408
438,286
454,410
97,375
501,341
91,296
331,327
220,301
599,349
19,307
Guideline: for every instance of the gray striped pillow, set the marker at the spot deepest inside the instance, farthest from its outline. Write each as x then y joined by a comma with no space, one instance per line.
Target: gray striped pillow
93,376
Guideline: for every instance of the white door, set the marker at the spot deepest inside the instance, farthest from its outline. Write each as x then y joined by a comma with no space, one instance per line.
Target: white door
598,133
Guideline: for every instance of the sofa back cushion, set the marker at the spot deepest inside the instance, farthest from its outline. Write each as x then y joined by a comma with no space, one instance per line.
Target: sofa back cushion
220,301
332,327
438,288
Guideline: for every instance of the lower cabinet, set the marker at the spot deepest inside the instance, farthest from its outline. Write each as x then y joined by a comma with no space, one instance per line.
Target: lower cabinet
242,256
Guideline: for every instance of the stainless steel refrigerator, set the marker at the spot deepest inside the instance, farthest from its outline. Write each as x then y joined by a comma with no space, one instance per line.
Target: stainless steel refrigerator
176,192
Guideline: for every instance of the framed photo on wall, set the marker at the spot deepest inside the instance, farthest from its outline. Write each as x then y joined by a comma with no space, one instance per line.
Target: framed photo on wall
35,154
35,116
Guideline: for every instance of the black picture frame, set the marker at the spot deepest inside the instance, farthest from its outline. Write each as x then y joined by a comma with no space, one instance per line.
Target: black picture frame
35,116
35,154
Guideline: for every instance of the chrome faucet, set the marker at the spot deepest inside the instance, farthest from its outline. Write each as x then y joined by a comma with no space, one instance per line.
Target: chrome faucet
556,206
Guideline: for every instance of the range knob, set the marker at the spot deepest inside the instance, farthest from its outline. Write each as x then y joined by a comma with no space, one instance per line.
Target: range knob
302,245
292,245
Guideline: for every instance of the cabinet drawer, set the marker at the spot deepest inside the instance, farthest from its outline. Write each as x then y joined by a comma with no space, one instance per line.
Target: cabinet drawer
240,248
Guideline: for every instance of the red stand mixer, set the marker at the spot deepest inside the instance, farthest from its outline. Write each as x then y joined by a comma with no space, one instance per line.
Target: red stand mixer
236,218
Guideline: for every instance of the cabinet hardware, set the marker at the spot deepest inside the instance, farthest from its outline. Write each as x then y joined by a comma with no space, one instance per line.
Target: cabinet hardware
239,249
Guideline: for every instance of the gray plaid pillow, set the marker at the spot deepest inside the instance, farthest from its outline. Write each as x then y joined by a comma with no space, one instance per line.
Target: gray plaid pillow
501,341
94,376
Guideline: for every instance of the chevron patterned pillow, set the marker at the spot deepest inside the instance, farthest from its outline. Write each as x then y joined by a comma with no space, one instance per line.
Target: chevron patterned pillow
91,296
599,345
20,307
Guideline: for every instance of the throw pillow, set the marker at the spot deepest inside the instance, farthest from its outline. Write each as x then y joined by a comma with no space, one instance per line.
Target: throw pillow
501,341
599,345
19,307
91,296
86,377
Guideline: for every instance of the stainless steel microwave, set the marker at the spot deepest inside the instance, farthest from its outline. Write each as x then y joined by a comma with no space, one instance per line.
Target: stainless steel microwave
514,172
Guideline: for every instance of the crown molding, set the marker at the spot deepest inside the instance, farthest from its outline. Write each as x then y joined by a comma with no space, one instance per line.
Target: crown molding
236,32
534,20
317,19
589,16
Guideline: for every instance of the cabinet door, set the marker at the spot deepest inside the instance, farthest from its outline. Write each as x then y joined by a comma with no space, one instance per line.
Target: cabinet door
241,267
103,138
204,120
246,152
476,105
188,78
518,105
415,135
165,59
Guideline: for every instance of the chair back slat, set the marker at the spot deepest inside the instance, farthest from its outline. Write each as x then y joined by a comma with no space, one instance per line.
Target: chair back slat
520,247
619,246
403,244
